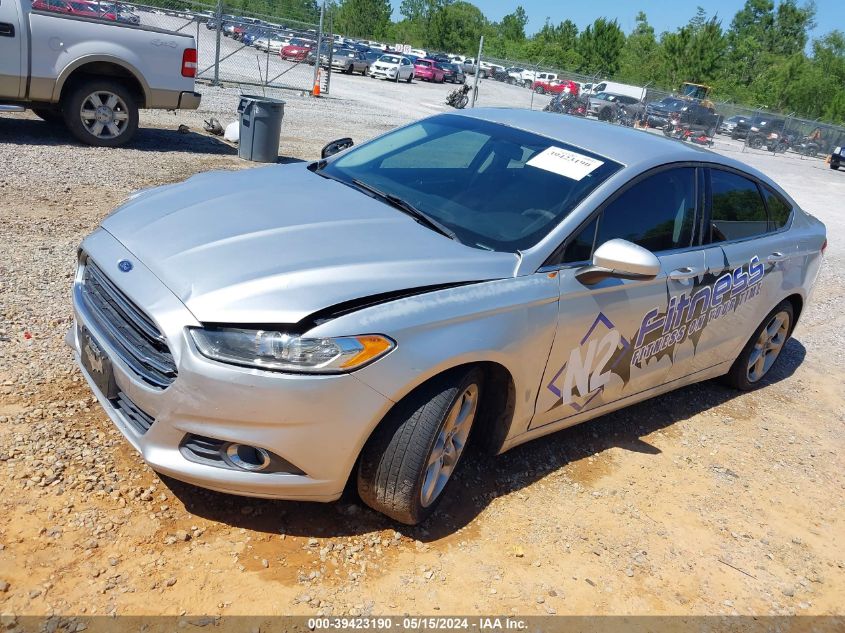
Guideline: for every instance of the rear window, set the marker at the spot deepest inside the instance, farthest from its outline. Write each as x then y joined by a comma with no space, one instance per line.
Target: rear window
737,209
779,210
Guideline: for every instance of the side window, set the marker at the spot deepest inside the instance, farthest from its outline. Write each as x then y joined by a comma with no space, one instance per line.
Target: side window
657,213
580,249
779,210
737,210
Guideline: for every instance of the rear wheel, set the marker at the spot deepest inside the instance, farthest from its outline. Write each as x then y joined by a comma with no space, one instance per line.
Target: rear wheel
408,462
540,90
763,349
102,113
410,78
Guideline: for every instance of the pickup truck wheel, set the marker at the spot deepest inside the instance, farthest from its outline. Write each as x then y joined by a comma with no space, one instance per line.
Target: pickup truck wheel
410,458
763,349
50,115
101,113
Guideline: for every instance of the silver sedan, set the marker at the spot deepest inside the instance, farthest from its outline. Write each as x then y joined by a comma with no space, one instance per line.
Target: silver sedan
489,276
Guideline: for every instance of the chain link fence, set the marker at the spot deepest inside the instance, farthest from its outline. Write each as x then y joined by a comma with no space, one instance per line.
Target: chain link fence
252,50
535,84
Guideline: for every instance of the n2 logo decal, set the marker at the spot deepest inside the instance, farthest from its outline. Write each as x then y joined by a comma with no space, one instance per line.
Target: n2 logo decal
587,371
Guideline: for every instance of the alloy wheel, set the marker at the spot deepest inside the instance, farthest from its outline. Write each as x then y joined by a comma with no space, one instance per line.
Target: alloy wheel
768,346
104,114
449,445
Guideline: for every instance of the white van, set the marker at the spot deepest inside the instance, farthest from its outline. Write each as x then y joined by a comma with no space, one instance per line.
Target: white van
628,90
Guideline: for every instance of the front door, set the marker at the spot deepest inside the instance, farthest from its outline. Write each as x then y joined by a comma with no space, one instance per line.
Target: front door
614,337
11,51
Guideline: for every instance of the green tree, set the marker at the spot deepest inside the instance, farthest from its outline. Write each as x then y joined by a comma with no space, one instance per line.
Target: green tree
363,18
639,62
600,45
792,23
457,27
512,26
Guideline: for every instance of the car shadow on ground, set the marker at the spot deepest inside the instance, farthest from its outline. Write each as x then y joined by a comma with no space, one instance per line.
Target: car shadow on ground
19,131
481,478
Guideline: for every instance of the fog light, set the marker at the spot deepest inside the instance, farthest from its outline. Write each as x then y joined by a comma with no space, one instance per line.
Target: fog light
246,457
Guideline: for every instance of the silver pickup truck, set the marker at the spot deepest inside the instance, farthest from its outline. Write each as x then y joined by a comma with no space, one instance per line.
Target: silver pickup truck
91,72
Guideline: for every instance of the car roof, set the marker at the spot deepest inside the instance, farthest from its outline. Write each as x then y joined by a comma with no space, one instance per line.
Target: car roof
637,150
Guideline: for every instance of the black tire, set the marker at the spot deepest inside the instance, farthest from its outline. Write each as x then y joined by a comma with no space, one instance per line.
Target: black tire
738,375
49,115
540,90
605,114
410,78
350,69
394,461
72,104
396,79
462,102
755,142
836,166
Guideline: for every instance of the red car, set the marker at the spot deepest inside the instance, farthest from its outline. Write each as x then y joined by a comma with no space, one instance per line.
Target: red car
555,86
427,70
74,7
297,50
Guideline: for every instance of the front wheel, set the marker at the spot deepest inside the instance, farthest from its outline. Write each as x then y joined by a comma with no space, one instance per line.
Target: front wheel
101,113
540,90
763,349
410,78
462,103
410,458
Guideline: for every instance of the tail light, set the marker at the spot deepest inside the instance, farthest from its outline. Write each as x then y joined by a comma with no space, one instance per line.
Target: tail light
189,62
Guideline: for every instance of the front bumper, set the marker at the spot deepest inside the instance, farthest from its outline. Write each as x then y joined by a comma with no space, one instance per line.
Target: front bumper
388,73
316,423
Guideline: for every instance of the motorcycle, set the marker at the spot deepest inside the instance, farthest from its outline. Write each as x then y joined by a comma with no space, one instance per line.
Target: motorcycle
778,142
459,97
807,147
566,103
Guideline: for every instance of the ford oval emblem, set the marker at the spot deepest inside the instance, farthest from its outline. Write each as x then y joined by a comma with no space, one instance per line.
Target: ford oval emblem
125,265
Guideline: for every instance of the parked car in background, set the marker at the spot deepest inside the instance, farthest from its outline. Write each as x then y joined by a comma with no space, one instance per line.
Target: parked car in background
759,124
614,87
555,86
427,70
837,157
393,67
350,61
452,72
486,69
556,271
297,50
605,105
79,8
658,113
727,125
99,78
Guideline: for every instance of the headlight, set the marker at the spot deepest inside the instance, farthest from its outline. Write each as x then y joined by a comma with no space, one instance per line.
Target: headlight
279,351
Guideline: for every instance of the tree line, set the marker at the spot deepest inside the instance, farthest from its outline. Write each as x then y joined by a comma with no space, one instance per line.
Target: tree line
761,58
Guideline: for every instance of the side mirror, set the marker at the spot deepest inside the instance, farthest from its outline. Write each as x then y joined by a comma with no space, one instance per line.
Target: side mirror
338,145
622,259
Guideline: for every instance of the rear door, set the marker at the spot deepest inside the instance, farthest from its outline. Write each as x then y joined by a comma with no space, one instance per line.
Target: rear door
747,221
12,67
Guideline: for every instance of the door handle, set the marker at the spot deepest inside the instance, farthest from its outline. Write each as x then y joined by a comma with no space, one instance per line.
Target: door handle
7,30
777,256
686,272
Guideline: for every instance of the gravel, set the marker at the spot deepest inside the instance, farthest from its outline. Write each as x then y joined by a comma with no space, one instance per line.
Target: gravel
674,506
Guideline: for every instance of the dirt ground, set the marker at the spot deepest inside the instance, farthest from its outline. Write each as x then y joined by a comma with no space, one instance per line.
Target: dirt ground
702,501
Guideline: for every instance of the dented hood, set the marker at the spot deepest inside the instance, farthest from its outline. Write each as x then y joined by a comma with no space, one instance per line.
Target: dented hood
276,244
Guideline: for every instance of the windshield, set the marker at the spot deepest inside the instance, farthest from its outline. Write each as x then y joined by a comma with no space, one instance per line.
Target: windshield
494,186
389,59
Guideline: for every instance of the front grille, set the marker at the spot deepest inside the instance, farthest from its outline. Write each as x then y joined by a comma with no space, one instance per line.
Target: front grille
132,333
136,417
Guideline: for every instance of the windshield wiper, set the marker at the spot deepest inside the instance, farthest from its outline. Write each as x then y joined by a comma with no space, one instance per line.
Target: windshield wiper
408,208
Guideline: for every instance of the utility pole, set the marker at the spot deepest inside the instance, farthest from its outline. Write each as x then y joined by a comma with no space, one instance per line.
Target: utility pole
477,72
219,24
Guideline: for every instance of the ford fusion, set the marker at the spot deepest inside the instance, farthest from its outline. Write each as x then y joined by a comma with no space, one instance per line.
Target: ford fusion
489,276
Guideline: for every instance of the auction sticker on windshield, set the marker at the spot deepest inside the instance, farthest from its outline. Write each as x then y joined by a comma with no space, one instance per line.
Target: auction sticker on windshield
569,164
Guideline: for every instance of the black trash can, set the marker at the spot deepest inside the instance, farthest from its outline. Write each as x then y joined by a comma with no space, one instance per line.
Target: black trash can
261,124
